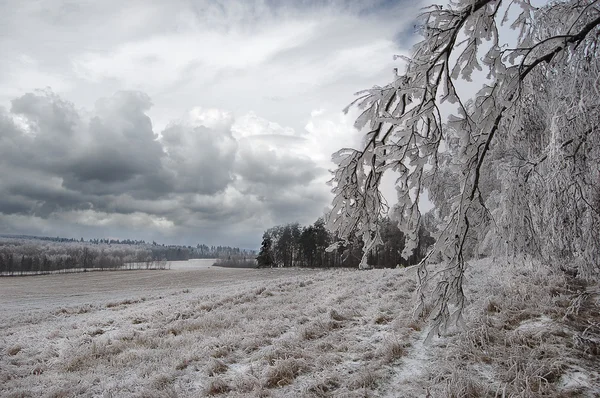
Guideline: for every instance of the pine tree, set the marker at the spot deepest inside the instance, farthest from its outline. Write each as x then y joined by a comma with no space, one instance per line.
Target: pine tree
265,256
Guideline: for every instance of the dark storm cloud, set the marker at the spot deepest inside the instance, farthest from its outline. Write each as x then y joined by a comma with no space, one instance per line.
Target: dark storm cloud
108,167
49,134
260,164
13,204
118,146
46,198
48,113
201,158
113,151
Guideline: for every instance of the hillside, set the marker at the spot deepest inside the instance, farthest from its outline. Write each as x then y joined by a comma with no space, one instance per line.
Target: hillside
339,333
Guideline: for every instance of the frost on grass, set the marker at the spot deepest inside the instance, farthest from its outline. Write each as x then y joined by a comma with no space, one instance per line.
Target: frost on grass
521,337
335,333
303,333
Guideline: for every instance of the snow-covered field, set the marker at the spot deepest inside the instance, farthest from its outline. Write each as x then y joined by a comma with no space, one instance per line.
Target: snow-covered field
20,294
197,330
40,294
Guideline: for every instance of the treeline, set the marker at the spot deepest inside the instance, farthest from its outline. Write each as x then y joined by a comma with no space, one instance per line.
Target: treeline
182,253
38,255
220,252
178,252
159,251
26,257
294,246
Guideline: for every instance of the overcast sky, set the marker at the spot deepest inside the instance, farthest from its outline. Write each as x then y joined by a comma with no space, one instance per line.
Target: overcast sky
182,121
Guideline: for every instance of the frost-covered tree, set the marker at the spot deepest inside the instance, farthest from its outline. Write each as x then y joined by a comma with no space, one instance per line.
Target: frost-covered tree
519,160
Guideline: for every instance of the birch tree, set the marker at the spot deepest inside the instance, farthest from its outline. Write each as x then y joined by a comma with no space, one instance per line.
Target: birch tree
519,156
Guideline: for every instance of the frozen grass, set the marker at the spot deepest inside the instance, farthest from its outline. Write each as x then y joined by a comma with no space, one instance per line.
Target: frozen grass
336,333
523,337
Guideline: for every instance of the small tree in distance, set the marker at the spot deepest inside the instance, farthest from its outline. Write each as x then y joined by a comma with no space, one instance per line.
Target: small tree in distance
265,255
512,161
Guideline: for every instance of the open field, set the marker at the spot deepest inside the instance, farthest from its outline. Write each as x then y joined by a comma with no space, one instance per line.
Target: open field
43,292
291,332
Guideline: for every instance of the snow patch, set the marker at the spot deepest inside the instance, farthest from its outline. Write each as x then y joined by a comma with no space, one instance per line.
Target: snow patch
412,368
537,325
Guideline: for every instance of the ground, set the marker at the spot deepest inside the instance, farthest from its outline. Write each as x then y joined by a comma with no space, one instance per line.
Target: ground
197,330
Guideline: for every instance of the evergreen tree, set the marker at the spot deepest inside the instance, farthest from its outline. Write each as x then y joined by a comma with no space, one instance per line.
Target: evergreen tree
265,256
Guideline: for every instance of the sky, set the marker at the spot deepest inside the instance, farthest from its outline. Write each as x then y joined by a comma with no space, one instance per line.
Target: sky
183,121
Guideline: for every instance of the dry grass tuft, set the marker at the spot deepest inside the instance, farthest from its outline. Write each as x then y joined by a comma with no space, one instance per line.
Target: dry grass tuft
77,363
122,302
283,372
415,325
365,378
217,386
391,350
248,381
95,332
14,350
81,309
260,290
222,351
162,382
323,388
464,385
492,306
383,319
216,367
336,316
318,329
185,363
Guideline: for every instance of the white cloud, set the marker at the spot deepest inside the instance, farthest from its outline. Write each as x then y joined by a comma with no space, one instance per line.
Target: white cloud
253,125
23,73
264,83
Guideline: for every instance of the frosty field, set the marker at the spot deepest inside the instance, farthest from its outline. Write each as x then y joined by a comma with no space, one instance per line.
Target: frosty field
206,331
46,291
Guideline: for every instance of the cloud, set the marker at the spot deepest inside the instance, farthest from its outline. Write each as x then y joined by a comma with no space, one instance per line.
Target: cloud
201,151
257,164
270,154
194,121
110,150
106,170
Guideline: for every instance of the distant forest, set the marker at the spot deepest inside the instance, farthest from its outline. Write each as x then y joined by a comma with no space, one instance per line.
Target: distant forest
294,246
26,255
288,245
